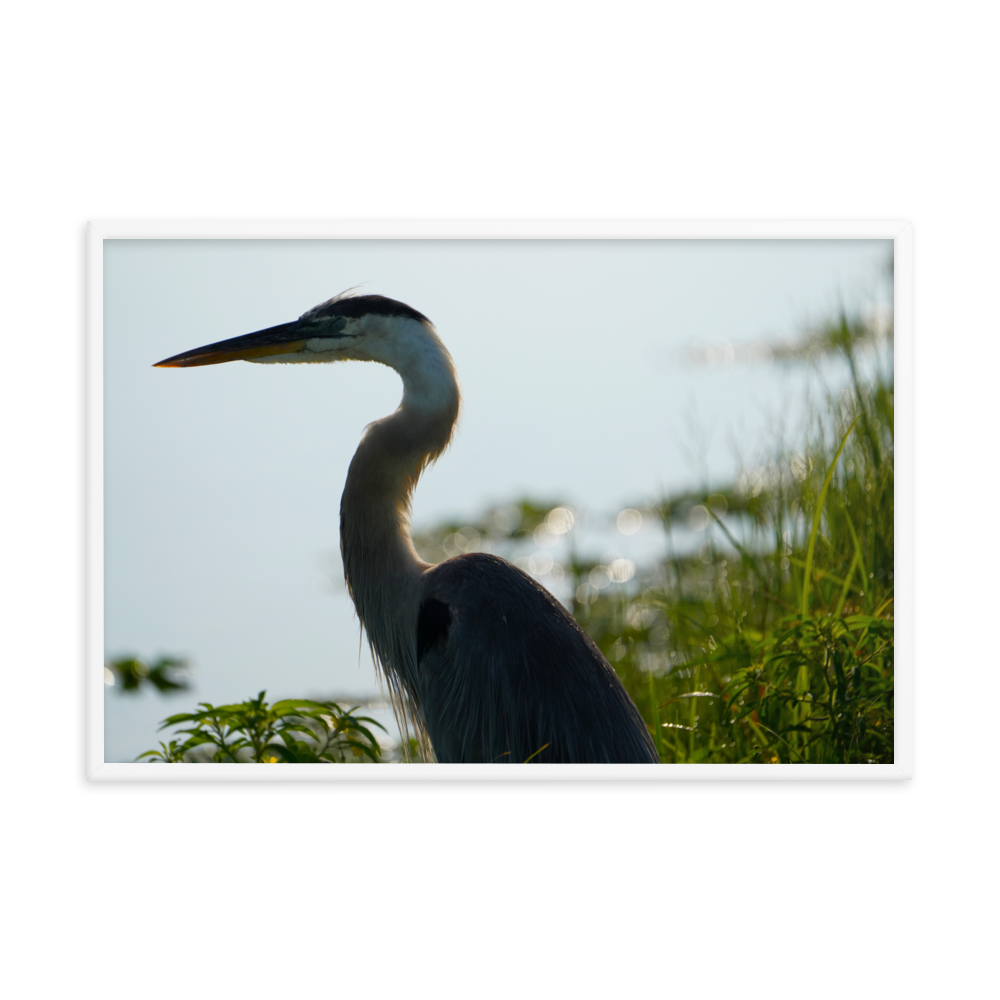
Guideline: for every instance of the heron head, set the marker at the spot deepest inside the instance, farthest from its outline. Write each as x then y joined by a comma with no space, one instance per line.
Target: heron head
345,328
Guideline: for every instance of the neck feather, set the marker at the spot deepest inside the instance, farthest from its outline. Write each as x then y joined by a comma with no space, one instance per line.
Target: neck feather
381,566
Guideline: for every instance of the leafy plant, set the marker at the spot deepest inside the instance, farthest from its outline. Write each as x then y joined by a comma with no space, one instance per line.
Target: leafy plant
297,731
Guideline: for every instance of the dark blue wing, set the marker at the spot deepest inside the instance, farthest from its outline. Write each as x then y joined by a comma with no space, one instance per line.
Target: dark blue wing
504,669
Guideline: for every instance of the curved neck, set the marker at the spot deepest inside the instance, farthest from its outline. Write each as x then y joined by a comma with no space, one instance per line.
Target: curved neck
381,566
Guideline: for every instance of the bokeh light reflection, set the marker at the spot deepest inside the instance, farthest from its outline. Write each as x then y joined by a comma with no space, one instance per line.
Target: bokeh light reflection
559,520
698,518
629,521
621,570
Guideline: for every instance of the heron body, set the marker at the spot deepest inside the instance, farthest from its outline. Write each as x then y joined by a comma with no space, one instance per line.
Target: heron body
480,657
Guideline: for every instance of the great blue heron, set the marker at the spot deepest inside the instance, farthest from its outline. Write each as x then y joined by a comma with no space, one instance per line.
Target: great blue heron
483,660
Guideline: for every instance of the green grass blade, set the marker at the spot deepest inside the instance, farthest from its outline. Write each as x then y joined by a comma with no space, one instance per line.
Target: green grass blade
739,548
857,563
655,709
816,518
889,598
821,574
850,573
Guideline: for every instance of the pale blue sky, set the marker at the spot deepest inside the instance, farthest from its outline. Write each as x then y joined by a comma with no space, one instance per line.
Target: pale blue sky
222,484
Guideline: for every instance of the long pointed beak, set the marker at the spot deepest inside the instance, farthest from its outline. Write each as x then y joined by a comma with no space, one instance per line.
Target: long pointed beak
285,339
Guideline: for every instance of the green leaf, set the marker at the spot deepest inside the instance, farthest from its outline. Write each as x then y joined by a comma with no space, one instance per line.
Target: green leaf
284,754
363,748
290,705
198,738
296,727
